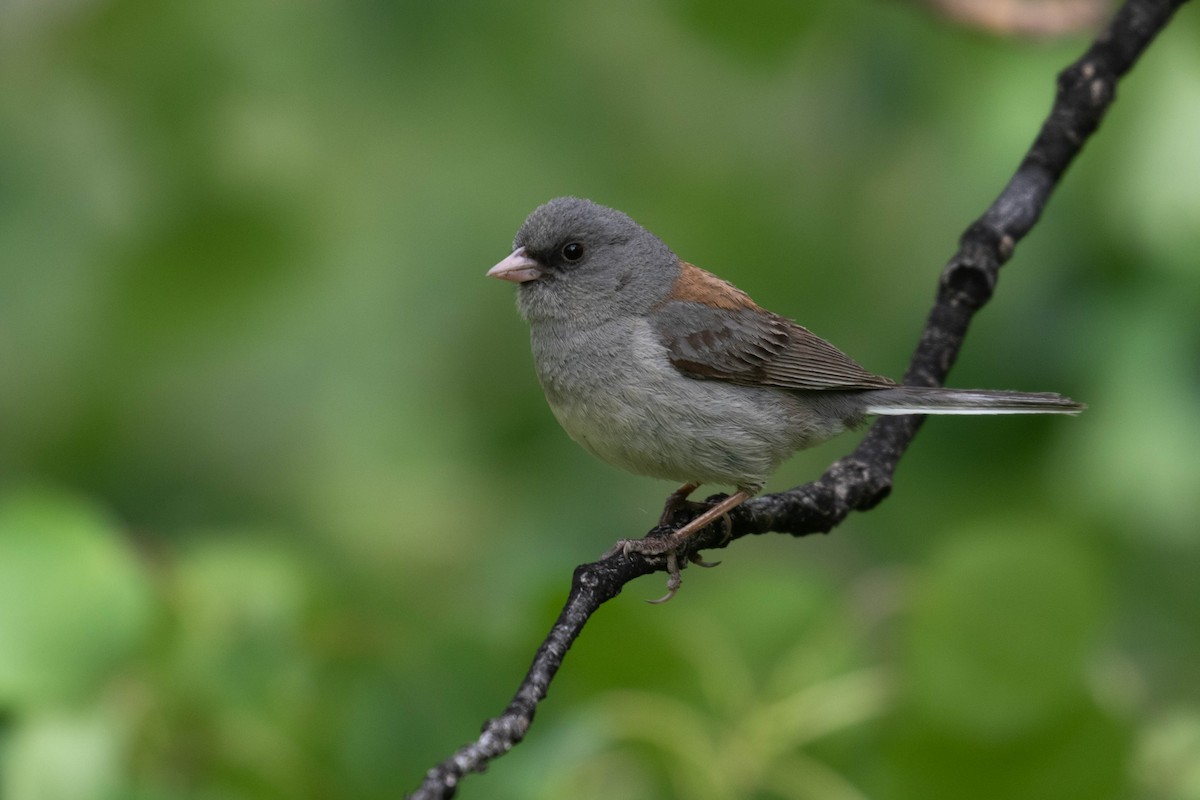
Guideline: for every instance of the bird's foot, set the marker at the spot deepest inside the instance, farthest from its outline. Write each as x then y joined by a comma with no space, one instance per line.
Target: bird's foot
674,578
657,544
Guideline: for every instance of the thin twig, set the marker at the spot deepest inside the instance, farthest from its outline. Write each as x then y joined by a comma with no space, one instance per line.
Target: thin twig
862,479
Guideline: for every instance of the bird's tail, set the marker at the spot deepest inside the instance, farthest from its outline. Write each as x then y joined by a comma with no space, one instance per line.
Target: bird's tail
937,400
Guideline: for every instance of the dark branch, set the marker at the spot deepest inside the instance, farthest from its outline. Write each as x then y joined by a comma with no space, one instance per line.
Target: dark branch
862,479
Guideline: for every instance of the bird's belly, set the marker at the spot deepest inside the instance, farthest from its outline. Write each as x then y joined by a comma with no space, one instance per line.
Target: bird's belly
646,417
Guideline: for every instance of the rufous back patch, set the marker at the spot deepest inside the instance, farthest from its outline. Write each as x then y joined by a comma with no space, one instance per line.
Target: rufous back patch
698,286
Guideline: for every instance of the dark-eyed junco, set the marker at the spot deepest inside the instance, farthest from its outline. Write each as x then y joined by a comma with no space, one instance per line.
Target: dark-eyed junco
666,370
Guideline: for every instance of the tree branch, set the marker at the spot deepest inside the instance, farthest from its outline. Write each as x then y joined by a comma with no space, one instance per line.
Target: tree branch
862,479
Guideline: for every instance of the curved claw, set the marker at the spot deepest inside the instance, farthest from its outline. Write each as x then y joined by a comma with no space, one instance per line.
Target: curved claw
700,562
673,582
668,596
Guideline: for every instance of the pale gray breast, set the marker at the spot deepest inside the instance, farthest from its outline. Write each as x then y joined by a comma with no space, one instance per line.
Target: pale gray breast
614,390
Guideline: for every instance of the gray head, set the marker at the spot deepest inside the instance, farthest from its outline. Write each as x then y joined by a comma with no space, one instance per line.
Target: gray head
575,259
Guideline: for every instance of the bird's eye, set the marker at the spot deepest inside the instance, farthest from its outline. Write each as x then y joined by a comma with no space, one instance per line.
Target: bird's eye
572,251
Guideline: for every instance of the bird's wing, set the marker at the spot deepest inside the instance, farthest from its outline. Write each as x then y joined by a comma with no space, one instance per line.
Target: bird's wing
713,330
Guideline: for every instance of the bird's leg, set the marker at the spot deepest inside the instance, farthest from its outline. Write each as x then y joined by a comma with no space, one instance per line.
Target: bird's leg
676,500
701,522
700,562
655,545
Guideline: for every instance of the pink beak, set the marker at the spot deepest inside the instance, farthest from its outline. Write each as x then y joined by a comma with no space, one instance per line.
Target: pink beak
517,268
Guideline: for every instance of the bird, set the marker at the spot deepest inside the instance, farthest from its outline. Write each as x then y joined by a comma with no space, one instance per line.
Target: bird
663,369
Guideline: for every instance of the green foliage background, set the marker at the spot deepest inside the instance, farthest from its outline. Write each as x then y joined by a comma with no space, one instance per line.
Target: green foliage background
283,513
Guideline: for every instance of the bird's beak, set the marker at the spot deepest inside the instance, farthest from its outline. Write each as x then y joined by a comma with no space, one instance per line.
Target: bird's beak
517,268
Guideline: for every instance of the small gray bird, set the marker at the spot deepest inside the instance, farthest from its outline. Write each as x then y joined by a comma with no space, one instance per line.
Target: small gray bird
663,369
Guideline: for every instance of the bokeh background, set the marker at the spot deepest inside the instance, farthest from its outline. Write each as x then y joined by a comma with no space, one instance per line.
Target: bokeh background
283,512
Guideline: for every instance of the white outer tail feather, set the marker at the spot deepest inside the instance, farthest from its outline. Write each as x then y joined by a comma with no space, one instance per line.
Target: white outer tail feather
935,400
890,411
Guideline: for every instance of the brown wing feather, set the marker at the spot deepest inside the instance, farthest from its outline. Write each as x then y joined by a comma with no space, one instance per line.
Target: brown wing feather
713,330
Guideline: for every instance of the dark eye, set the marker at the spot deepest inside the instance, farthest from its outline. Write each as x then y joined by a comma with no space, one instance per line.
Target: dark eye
572,251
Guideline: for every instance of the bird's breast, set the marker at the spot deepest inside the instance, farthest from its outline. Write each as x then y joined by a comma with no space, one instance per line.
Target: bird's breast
591,377
615,392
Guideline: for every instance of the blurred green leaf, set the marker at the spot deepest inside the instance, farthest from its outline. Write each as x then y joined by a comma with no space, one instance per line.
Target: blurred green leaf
1168,756
1001,630
74,602
1080,752
242,607
60,756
